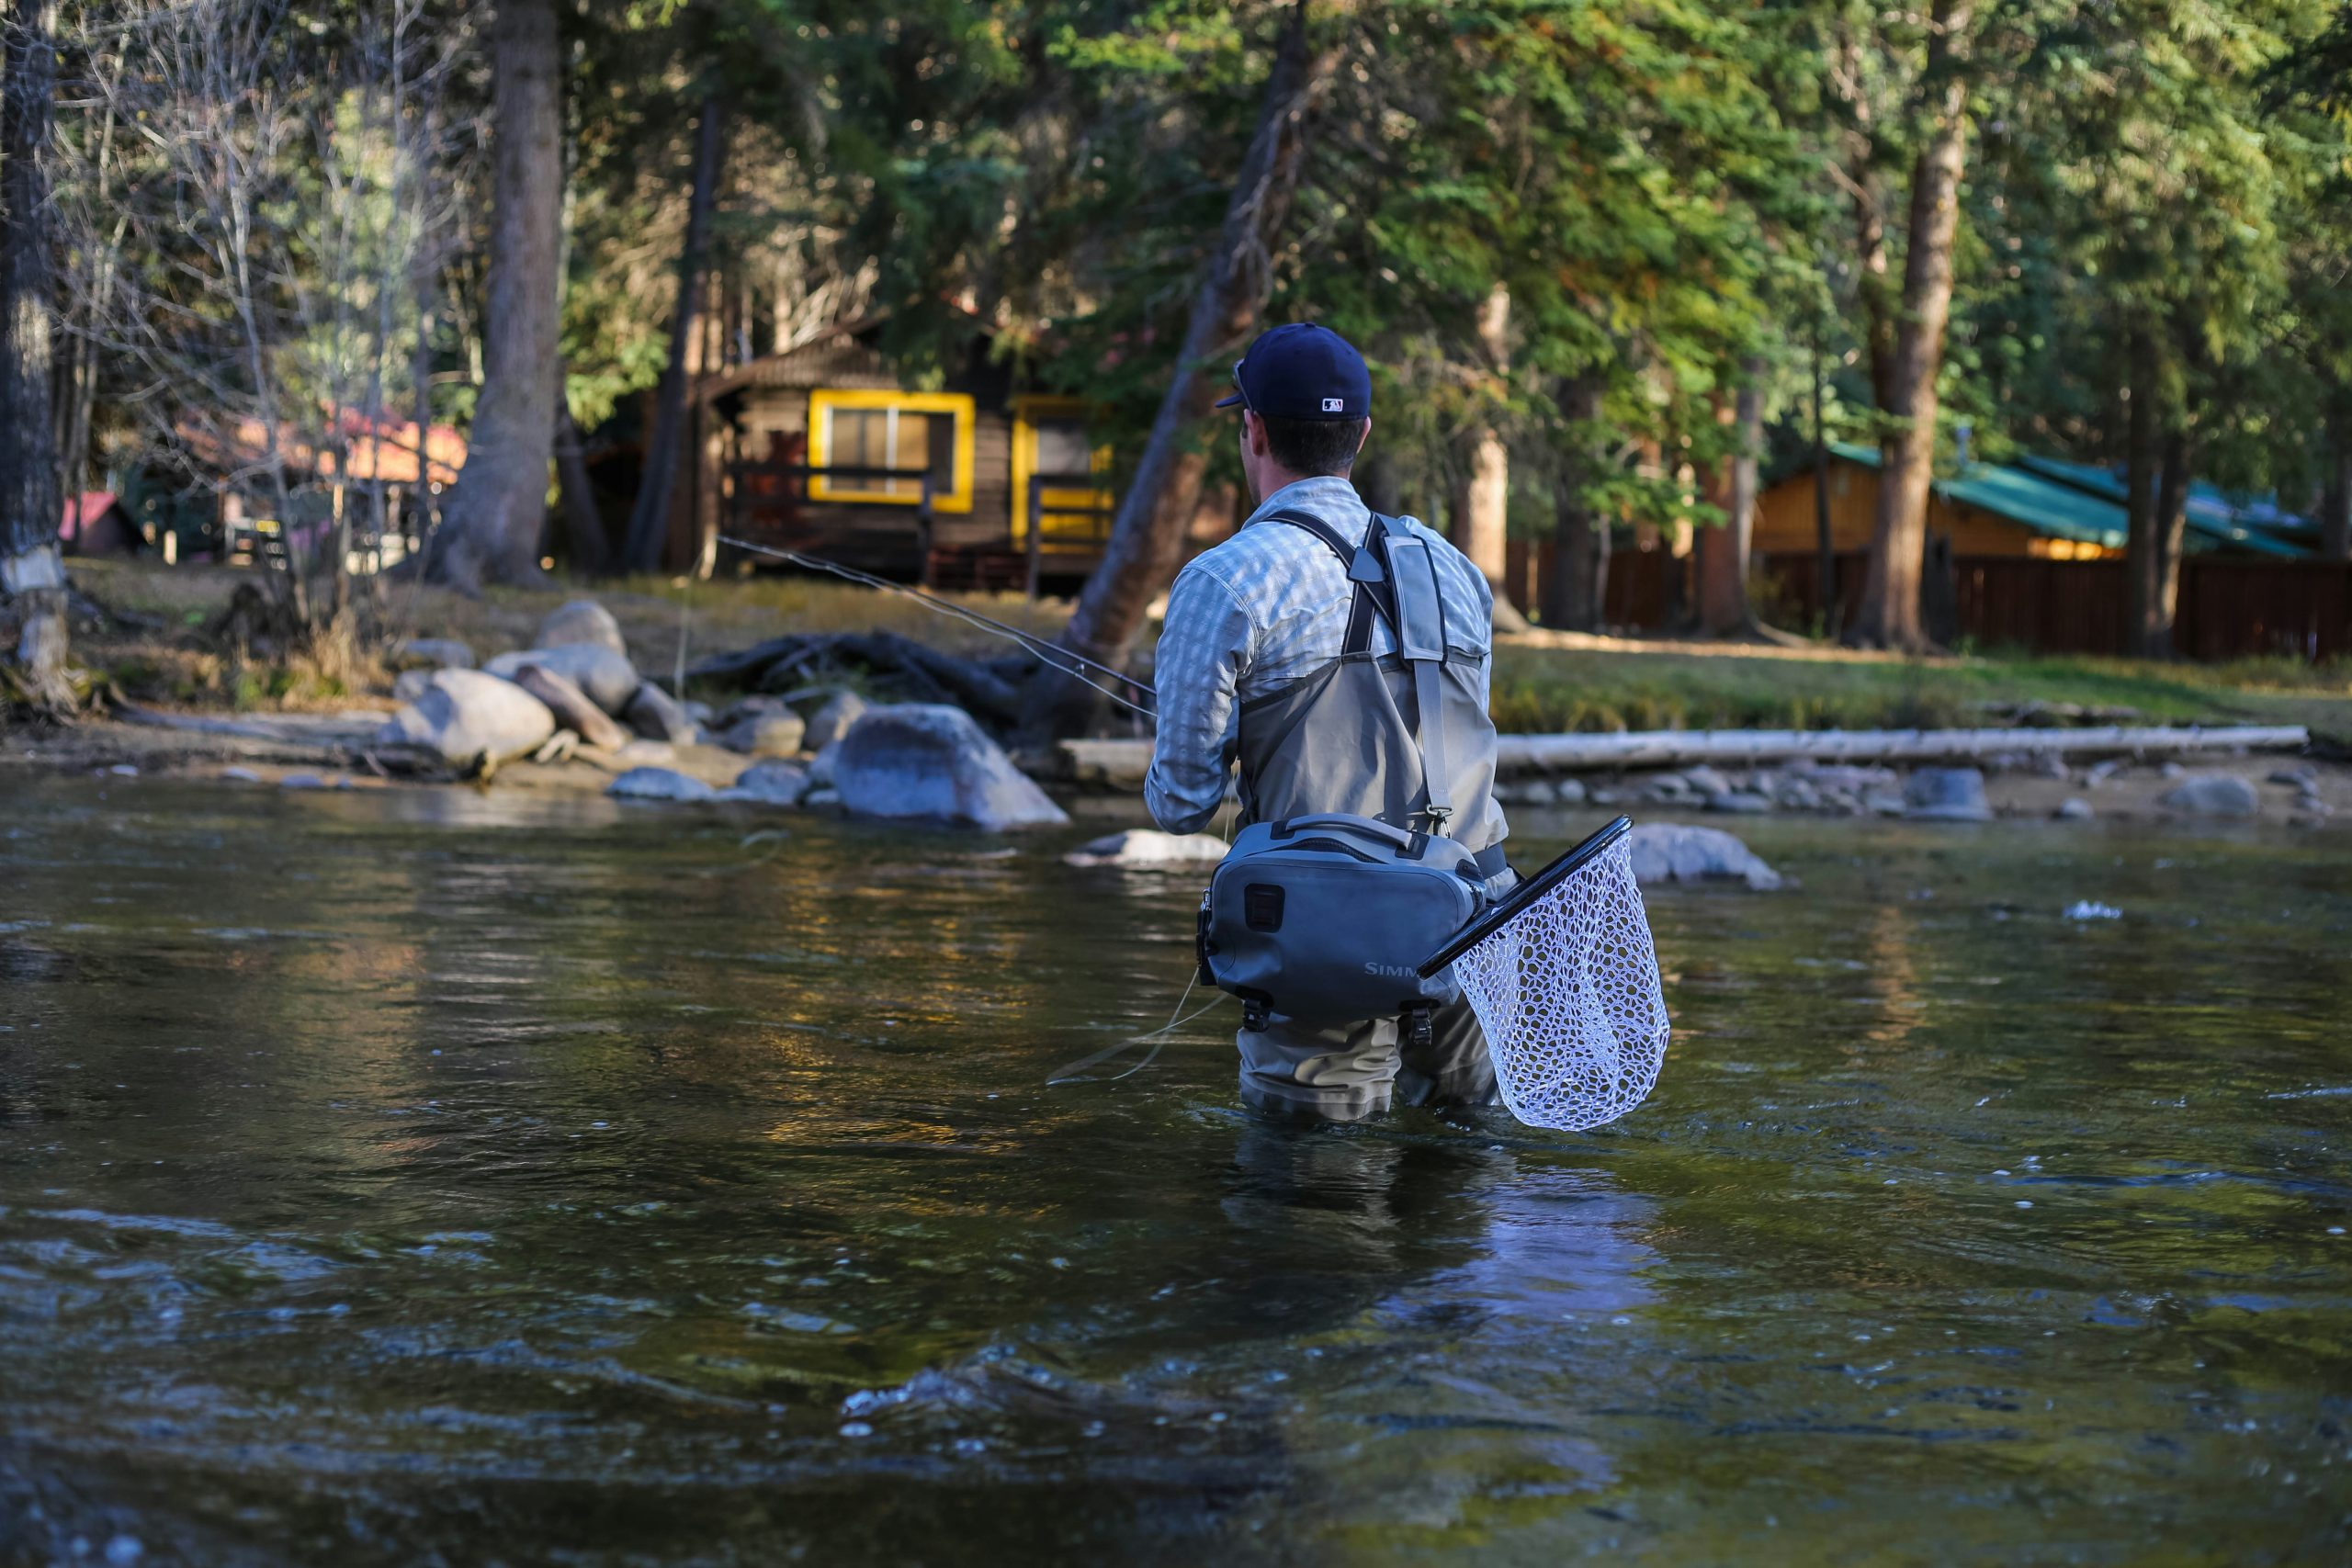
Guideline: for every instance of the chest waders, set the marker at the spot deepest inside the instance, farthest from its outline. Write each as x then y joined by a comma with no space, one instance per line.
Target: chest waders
1370,833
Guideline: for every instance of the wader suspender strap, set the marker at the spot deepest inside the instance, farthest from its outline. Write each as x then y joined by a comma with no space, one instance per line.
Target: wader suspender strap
1420,640
1397,579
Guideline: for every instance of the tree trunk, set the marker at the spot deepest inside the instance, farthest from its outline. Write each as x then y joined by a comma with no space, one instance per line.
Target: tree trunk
491,524
583,527
648,520
2335,507
1724,550
1375,480
30,570
2170,536
1482,501
1824,542
2140,551
1889,616
1164,491
1573,590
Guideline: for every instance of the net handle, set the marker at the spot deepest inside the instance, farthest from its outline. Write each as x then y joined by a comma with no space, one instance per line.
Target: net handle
1520,896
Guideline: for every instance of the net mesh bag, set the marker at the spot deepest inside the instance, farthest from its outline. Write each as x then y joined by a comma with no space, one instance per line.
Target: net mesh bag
1568,992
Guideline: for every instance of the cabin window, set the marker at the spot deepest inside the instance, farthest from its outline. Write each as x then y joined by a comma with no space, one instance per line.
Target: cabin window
1056,461
913,434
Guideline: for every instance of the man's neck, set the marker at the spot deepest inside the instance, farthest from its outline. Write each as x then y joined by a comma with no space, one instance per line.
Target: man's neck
1282,480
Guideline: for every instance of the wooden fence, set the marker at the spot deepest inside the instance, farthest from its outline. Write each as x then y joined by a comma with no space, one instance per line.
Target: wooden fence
2229,609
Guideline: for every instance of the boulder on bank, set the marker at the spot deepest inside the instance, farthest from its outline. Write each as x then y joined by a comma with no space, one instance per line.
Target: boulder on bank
1667,851
607,677
1947,795
656,715
927,760
572,707
431,653
658,784
1144,849
2211,794
832,721
580,622
775,733
465,715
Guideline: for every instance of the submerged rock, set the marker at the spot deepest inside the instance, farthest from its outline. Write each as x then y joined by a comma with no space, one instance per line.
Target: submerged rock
656,715
658,784
832,721
2074,808
1146,849
1947,795
772,782
463,715
1667,851
582,621
2211,794
932,761
607,677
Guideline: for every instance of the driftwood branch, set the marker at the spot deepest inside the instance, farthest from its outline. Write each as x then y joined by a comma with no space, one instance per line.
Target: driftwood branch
987,689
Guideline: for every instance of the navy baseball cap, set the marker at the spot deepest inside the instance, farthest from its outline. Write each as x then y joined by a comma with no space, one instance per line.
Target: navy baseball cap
1302,371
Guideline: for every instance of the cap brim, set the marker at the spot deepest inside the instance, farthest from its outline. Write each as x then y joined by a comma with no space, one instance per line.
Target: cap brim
1228,402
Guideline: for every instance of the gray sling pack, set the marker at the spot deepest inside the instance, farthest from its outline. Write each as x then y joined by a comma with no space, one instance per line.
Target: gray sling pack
1327,917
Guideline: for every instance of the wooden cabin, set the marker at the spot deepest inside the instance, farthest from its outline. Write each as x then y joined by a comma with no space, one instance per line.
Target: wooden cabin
96,522
823,449
1993,511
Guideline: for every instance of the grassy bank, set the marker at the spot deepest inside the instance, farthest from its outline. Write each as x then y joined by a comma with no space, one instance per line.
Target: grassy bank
1544,690
1596,685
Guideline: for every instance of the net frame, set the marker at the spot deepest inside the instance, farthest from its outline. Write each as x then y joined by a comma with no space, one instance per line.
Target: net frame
1563,977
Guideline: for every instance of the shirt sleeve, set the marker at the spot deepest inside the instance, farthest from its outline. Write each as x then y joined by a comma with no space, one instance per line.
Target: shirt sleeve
1204,646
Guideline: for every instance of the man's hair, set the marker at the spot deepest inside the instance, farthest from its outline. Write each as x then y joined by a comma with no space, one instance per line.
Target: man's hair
1314,446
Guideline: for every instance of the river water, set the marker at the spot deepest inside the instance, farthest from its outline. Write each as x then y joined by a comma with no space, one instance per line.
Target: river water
449,1177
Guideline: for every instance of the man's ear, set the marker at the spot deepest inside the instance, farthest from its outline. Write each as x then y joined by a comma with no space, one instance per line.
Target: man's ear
1253,434
1365,435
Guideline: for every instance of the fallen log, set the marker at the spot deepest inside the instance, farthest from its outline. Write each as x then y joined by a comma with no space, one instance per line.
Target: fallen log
784,662
1121,764
1675,749
746,665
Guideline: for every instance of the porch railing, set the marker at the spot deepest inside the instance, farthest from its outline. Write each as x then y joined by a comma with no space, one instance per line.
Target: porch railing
1095,510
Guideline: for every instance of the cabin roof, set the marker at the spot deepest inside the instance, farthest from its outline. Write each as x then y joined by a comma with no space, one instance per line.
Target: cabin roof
2081,502
2038,506
837,361
2213,516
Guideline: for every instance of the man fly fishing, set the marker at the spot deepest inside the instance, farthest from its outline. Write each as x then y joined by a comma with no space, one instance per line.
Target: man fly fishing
1339,660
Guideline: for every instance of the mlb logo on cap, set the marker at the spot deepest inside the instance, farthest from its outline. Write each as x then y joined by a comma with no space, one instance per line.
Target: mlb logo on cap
1302,371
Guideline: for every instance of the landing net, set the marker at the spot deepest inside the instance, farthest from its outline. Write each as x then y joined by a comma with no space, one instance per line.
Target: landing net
1567,991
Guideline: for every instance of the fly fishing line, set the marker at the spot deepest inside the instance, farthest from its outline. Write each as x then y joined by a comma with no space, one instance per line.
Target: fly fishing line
1563,977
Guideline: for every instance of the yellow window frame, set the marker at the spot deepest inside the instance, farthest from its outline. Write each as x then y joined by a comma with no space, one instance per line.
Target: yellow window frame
1027,410
824,401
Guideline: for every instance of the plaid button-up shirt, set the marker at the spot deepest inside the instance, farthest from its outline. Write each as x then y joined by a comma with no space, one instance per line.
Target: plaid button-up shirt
1265,608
